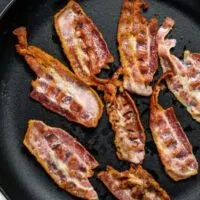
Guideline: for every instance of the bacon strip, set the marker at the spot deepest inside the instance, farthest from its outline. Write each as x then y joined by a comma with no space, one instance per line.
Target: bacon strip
129,133
125,120
67,162
137,47
172,143
56,88
184,83
82,42
135,183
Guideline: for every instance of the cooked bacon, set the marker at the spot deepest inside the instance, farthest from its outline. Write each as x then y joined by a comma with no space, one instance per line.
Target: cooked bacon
172,143
124,118
133,184
56,88
129,133
184,83
82,42
137,47
67,162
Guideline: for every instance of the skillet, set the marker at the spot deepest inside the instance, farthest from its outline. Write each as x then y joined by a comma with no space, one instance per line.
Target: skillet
21,177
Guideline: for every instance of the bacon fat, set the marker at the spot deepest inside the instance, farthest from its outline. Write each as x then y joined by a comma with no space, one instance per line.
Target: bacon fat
56,88
172,143
184,83
137,47
82,42
135,183
67,162
129,133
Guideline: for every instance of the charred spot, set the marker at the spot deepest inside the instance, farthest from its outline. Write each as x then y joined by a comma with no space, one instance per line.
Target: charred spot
66,99
130,130
48,77
55,146
80,24
67,155
61,175
82,169
51,138
133,139
123,178
85,116
52,165
43,85
181,154
128,114
172,144
141,59
70,185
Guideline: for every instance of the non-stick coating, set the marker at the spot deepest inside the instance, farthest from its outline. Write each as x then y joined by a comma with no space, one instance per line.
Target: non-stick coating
20,175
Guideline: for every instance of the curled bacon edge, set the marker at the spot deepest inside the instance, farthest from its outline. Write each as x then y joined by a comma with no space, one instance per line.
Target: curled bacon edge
132,184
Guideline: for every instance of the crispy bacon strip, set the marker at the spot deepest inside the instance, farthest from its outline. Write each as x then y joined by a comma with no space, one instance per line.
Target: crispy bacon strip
67,162
129,133
137,47
56,88
133,184
172,143
82,42
184,83
124,118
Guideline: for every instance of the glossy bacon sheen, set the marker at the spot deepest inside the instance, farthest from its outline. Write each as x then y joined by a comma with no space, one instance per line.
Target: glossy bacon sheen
82,42
137,47
133,184
67,162
172,143
129,133
57,88
184,83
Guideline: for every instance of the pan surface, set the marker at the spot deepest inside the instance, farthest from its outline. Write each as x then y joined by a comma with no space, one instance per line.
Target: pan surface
21,176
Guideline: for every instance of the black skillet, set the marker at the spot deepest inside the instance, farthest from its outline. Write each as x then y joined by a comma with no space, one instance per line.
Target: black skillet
21,177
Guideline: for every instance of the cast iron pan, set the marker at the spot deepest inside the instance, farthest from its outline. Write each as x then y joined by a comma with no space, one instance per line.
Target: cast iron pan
21,176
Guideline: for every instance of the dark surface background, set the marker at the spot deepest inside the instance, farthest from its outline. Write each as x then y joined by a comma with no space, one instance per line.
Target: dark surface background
20,175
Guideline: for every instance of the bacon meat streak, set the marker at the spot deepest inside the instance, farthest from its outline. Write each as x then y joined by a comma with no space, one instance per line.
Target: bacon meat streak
185,82
172,143
137,47
67,162
57,88
82,42
133,184
129,133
